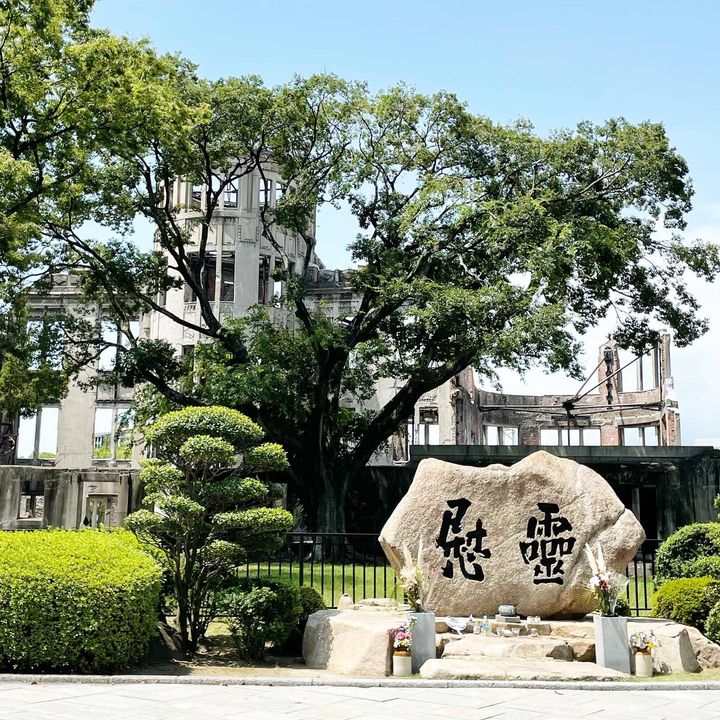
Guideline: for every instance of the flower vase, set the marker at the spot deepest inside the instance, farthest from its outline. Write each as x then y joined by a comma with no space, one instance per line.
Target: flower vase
643,664
402,663
611,642
423,638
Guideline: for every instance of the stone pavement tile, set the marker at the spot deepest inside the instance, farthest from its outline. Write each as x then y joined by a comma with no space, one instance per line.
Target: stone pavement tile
508,714
682,711
344,711
377,694
558,704
446,697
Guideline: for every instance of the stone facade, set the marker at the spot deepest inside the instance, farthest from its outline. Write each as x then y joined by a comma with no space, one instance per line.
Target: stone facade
37,497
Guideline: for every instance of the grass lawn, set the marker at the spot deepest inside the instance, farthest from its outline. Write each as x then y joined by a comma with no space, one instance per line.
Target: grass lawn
331,581
640,594
366,581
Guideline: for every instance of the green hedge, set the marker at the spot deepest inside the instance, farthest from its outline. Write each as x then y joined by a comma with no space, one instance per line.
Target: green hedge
75,601
685,546
686,600
704,567
712,624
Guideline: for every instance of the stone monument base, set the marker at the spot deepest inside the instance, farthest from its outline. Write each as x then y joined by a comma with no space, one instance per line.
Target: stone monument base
355,642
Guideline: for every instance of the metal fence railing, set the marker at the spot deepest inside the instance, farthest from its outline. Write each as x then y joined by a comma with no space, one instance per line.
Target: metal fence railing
354,563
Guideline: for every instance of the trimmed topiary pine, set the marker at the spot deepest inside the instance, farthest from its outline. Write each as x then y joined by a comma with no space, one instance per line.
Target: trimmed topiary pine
687,600
204,511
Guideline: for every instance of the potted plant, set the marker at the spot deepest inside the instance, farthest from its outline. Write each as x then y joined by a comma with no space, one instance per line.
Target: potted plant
611,647
642,644
402,643
417,581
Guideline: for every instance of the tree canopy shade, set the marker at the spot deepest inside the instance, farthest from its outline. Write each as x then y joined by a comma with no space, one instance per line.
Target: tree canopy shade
478,244
71,99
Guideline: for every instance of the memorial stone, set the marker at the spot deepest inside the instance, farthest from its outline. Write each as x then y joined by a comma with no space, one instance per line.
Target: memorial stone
511,535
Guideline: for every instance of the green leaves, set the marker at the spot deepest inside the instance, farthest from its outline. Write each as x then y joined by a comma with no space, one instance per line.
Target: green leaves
204,451
200,514
265,458
75,601
172,430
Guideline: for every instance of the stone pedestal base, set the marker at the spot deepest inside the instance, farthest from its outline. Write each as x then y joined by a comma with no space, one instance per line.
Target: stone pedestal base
611,642
423,646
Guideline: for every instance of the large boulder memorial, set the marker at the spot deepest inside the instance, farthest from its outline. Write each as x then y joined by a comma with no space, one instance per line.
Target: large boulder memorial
502,536
511,535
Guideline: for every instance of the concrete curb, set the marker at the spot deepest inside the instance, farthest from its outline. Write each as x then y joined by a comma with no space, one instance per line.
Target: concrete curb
608,685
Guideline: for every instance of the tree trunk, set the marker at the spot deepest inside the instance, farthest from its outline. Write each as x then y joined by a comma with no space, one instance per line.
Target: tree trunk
331,505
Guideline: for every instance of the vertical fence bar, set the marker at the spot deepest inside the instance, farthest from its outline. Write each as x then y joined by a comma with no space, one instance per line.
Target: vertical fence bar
301,560
332,571
322,565
312,559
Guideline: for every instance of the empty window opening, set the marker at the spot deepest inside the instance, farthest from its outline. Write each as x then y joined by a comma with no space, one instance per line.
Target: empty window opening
500,435
428,428
38,435
230,194
573,437
205,276
196,195
32,506
263,279
112,435
640,436
227,277
277,282
264,192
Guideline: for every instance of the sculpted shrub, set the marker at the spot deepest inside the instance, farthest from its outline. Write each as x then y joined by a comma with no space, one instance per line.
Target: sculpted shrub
206,510
75,601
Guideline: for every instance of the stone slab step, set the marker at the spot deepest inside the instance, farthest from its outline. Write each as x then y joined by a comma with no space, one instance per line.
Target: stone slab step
489,668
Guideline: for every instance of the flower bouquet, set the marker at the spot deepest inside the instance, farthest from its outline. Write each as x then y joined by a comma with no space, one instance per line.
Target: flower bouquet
643,642
401,638
606,585
417,580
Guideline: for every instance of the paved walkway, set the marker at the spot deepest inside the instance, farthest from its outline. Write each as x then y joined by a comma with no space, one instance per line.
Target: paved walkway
213,702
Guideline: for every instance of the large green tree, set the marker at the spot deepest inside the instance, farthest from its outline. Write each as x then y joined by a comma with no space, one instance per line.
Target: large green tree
478,244
71,99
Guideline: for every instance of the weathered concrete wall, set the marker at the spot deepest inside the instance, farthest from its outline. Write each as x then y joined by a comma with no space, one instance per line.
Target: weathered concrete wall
65,494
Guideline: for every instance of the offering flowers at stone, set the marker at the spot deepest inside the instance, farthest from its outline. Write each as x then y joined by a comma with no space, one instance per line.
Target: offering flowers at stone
643,642
416,579
401,637
606,585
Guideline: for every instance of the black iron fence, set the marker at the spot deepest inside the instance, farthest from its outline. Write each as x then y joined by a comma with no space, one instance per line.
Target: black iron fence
354,563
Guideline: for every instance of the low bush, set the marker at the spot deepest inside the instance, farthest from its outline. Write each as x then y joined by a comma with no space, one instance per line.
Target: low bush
260,611
704,567
712,624
75,601
685,546
686,600
310,601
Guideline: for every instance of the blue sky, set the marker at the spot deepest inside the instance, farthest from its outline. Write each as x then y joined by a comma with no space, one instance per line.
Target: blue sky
554,62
